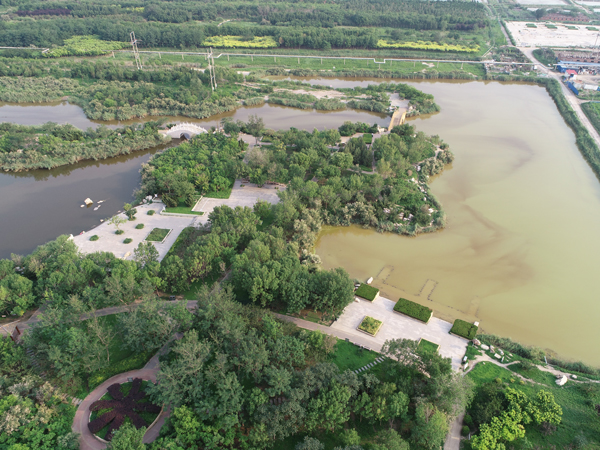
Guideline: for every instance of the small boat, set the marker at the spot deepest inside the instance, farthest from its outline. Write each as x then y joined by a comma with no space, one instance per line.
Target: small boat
101,201
96,208
82,206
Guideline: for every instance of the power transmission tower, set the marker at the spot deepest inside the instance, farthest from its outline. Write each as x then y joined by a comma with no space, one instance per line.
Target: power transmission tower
211,69
136,53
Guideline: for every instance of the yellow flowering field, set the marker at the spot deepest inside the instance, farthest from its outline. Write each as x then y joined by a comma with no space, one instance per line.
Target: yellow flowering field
238,42
427,45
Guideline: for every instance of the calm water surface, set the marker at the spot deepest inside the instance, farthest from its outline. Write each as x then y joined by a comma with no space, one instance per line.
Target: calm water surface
521,251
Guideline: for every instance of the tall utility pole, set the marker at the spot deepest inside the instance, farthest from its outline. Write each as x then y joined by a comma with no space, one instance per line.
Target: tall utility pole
136,53
211,69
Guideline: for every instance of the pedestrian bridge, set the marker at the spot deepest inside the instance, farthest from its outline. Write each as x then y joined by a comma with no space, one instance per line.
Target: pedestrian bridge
184,130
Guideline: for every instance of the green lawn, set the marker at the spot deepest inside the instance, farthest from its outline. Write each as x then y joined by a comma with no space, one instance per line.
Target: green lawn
428,346
222,194
182,208
577,402
349,356
158,234
368,138
472,351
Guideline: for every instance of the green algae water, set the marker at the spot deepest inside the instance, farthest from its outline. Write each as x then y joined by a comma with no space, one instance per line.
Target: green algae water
521,251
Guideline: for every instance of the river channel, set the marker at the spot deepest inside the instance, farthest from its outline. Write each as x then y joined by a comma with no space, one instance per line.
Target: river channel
520,251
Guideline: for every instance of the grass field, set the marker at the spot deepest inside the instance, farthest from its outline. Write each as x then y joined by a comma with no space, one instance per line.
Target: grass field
182,208
428,346
577,402
222,194
158,234
349,356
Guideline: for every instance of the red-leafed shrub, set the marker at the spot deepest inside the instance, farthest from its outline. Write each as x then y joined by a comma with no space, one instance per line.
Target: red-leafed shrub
113,413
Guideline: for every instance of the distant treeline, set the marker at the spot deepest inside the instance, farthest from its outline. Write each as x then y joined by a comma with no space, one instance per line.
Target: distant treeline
51,145
418,15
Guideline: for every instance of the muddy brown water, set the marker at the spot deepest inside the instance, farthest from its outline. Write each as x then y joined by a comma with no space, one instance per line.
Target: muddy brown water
521,252
39,205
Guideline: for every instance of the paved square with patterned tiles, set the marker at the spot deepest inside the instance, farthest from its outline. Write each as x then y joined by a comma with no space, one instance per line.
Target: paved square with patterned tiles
396,326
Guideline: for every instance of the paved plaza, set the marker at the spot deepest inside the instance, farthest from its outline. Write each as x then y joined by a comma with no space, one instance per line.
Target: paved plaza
247,195
561,36
398,326
111,242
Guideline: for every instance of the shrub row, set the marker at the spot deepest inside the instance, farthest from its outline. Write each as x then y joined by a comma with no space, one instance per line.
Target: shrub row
414,310
367,292
464,329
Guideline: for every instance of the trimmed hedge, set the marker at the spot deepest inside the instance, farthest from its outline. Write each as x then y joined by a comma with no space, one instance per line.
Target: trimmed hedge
414,310
151,212
139,226
464,329
94,238
127,241
367,292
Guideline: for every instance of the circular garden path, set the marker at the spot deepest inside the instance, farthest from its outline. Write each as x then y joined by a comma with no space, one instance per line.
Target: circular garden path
80,423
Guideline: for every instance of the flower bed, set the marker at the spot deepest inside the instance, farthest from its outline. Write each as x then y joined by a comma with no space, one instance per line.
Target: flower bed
370,326
464,329
123,403
414,310
367,292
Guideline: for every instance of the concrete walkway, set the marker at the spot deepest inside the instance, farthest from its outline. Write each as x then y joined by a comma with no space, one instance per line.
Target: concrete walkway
111,242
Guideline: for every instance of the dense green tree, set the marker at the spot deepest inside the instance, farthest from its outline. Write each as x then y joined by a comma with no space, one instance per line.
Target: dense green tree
430,429
127,437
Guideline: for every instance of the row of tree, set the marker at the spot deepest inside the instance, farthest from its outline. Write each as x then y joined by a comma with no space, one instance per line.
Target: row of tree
51,145
415,15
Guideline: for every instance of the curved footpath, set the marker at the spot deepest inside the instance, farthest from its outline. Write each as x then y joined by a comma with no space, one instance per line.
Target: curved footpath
87,440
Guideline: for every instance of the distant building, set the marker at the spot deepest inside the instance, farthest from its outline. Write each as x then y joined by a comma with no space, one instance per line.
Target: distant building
578,67
572,74
555,17
579,56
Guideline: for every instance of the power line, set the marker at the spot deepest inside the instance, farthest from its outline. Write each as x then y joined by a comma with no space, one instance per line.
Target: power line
136,53
211,69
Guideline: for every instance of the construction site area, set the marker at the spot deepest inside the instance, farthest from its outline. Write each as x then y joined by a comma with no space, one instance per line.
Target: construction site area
553,35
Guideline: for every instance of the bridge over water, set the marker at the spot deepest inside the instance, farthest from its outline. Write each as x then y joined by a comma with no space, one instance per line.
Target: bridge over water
184,130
